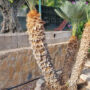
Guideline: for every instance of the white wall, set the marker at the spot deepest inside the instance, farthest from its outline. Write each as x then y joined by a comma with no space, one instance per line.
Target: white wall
18,40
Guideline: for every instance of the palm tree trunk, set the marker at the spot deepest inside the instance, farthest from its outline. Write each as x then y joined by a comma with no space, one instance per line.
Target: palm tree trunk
14,22
69,59
9,11
36,34
81,58
4,8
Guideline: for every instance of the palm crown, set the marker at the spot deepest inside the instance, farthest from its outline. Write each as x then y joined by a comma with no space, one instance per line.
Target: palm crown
73,13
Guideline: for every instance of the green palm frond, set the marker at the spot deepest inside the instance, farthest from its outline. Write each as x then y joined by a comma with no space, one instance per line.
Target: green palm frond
62,14
88,12
72,12
31,4
50,3
11,1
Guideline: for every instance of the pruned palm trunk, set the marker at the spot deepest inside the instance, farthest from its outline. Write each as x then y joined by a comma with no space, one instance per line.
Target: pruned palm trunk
69,59
81,58
36,34
75,18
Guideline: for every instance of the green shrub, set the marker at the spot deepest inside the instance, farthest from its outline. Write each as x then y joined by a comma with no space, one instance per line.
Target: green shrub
80,29
89,50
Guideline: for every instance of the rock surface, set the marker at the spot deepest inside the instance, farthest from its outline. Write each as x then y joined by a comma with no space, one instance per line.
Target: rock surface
18,66
85,76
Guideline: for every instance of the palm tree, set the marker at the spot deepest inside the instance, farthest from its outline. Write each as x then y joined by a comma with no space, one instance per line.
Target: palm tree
74,14
35,27
82,54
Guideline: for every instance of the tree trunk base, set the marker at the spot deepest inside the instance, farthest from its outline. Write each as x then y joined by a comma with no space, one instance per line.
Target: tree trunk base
4,31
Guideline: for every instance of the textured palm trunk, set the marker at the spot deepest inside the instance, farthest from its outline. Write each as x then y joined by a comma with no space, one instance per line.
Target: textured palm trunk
36,34
10,21
4,8
9,12
69,59
5,23
81,58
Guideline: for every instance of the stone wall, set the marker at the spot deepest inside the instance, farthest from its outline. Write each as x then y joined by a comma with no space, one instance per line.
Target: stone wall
18,65
18,40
